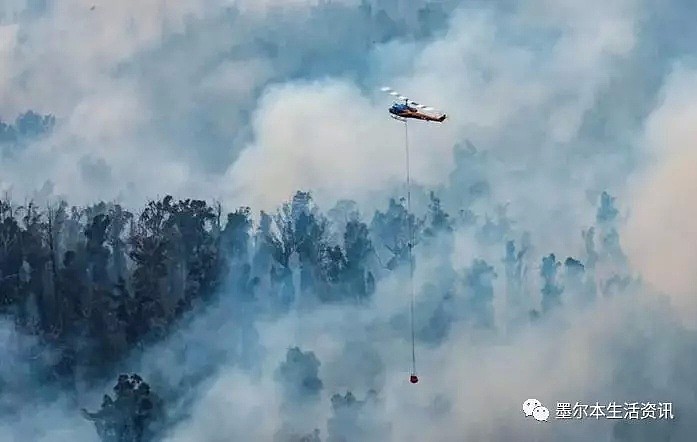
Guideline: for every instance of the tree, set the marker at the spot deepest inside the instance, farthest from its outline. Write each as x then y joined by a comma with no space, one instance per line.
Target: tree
27,126
134,414
299,229
149,252
589,241
514,263
119,221
480,293
37,256
440,322
438,218
298,375
355,420
98,254
396,230
359,248
11,259
581,288
31,124
8,133
551,291
494,231
236,234
264,248
193,248
606,218
607,212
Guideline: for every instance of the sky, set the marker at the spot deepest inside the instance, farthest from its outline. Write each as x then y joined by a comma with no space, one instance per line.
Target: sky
248,101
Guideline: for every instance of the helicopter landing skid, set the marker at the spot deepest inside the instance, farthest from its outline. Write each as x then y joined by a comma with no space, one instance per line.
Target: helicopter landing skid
398,118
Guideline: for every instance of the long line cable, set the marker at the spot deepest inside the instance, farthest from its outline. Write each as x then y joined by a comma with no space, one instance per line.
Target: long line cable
411,245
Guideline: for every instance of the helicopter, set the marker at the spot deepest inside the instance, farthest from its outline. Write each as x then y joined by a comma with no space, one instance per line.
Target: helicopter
410,109
403,112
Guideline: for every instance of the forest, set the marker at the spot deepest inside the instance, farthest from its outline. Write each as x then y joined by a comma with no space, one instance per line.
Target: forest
205,234
95,284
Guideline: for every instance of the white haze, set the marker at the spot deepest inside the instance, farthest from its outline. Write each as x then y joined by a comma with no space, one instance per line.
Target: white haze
522,83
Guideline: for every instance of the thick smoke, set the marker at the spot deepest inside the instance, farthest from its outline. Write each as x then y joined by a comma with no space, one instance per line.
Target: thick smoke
660,236
537,284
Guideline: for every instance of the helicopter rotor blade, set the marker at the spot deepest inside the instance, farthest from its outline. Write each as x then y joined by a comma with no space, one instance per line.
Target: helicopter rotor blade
422,106
401,97
393,92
